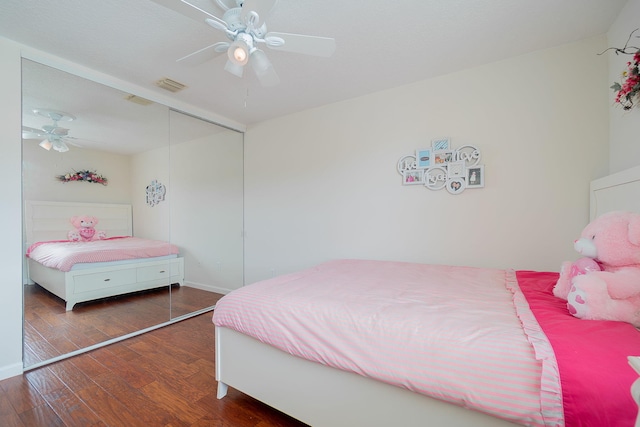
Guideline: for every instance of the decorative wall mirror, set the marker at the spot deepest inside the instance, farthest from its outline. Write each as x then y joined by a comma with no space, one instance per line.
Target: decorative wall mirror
75,126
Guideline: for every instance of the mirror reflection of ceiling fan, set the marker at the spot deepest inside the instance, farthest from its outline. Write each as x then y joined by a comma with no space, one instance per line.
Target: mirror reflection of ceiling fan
53,136
244,25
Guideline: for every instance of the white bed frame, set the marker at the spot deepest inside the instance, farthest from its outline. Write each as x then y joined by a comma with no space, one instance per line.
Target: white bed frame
620,191
46,220
322,396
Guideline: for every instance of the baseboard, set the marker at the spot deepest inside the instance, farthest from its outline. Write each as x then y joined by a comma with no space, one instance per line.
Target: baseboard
10,371
209,288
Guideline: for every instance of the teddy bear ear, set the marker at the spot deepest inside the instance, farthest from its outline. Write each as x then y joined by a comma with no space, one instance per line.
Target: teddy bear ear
73,219
634,229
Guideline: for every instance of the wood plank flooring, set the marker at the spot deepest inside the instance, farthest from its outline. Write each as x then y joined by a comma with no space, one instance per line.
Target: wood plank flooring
50,330
165,377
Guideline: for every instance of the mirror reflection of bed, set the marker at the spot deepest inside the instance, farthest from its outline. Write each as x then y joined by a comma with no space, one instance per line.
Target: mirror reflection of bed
131,144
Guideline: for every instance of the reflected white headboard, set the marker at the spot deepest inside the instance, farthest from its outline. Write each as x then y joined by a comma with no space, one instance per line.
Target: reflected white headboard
617,192
51,220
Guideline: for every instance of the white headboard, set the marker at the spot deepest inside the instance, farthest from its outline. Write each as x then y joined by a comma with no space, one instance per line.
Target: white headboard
616,192
51,220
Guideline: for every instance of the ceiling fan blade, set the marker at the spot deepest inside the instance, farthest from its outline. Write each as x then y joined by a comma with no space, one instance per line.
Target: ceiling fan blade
55,130
32,133
205,54
263,69
260,7
299,43
71,141
190,11
55,115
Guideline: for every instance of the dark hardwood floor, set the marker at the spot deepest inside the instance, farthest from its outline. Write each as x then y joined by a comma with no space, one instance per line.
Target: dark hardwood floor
50,330
165,377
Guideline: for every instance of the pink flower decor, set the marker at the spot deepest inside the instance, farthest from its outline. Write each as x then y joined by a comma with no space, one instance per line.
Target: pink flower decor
85,175
627,91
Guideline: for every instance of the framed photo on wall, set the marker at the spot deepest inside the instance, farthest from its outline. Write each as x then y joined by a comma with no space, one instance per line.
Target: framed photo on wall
475,176
440,144
456,185
423,158
413,177
443,157
456,170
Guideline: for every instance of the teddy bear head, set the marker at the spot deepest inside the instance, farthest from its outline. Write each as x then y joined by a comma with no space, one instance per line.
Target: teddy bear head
84,221
612,239
84,229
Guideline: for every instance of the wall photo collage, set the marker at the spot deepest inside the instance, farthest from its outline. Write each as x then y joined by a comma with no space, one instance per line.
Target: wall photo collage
441,166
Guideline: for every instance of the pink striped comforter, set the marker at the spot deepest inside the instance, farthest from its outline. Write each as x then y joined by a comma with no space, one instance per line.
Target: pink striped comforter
452,333
62,255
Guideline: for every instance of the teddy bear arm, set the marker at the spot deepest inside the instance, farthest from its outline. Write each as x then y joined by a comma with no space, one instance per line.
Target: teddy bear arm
561,289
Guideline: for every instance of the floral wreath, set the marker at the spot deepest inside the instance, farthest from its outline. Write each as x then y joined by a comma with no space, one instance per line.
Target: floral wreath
629,88
85,175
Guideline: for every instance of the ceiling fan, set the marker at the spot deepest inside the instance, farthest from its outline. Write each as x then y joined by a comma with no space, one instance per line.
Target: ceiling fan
244,25
53,136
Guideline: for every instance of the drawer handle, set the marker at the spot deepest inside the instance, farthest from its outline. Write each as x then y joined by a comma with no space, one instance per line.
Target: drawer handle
161,271
106,280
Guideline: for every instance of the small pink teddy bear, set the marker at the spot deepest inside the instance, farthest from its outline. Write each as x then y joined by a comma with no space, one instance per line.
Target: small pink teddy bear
85,230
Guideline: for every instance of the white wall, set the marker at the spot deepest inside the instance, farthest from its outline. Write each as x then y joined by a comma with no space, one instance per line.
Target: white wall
202,210
10,211
624,125
207,209
151,222
322,184
41,167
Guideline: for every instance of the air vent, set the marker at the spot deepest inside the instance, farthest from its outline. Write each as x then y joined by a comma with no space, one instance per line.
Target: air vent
138,100
170,85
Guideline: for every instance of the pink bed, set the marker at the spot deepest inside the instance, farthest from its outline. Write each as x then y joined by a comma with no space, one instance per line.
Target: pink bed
64,255
495,341
85,271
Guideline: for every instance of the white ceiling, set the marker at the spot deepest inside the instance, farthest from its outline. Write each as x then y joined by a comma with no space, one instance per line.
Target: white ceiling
380,44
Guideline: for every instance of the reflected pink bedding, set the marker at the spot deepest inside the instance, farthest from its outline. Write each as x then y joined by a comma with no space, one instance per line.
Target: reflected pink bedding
62,255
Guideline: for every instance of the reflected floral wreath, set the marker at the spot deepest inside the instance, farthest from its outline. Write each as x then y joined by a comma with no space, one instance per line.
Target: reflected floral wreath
84,175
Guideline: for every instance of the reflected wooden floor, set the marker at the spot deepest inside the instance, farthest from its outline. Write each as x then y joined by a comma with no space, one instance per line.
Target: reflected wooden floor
50,331
165,377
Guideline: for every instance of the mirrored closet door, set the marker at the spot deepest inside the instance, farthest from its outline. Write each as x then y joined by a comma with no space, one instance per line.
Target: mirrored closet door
86,145
206,210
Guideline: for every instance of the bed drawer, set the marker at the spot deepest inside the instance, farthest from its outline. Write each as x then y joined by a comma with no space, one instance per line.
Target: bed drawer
107,279
157,272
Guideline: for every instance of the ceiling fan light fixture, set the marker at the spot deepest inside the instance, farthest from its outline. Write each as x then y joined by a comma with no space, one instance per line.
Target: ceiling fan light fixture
46,144
238,52
60,147
233,68
260,62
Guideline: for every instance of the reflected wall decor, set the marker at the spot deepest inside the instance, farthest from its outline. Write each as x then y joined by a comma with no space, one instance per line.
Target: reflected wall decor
155,192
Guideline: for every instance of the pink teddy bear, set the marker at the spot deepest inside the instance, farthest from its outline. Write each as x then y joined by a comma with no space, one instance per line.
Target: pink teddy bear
605,285
85,230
